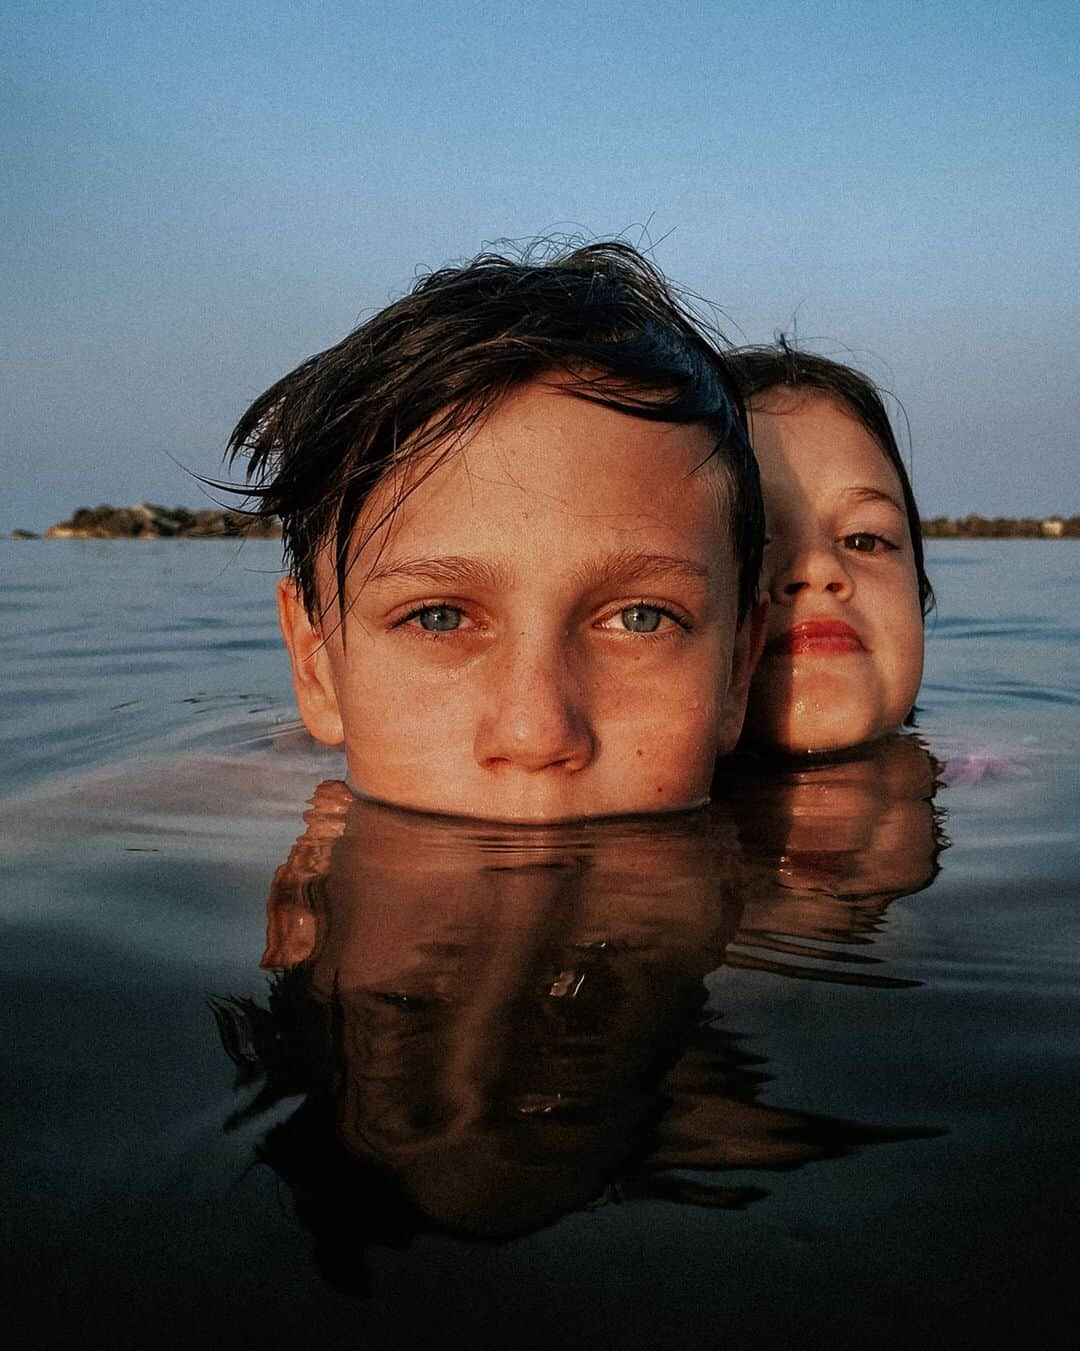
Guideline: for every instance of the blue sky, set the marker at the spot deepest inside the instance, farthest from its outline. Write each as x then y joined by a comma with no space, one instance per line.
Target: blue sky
199,195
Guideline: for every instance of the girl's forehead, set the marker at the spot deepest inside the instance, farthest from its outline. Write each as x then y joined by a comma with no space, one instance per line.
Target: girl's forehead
812,440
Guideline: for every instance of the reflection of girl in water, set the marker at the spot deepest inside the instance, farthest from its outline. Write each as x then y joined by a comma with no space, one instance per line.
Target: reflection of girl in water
494,1028
831,841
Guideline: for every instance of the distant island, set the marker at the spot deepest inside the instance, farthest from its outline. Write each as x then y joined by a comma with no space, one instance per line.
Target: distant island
150,521
1002,527
147,520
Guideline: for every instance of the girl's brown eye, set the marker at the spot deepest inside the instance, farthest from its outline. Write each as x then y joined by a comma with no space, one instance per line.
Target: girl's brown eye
866,543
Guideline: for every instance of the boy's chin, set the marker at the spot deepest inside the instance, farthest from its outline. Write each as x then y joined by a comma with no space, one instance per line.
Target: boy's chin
519,810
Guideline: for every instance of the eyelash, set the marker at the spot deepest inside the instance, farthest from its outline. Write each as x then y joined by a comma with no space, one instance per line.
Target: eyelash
888,545
406,620
679,619
425,608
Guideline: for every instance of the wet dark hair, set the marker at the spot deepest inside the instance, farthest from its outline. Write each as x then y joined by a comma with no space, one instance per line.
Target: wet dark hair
782,366
424,372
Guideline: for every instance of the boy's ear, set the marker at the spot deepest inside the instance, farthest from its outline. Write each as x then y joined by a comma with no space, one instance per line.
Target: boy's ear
313,677
749,640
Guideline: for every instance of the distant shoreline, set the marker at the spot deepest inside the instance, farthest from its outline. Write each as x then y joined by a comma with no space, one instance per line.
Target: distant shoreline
1002,527
148,520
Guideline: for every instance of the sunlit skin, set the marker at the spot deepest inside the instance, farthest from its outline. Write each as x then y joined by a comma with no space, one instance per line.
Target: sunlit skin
844,647
546,630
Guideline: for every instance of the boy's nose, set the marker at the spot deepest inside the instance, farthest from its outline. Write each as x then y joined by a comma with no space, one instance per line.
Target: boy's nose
810,569
535,718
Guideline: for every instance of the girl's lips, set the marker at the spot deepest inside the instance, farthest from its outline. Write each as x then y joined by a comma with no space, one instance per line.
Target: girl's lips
818,636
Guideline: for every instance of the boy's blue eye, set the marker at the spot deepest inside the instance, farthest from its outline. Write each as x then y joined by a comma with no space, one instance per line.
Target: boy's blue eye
439,618
641,618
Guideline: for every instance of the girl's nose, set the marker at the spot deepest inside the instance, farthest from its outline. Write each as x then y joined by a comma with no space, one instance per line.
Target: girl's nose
816,569
536,717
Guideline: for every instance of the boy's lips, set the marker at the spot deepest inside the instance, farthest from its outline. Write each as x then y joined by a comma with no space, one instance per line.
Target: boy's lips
818,635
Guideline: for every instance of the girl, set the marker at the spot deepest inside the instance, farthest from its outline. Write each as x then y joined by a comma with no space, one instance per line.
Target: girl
844,559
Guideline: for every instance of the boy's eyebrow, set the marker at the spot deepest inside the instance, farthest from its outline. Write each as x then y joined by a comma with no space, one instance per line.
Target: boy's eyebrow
624,565
868,494
636,565
447,570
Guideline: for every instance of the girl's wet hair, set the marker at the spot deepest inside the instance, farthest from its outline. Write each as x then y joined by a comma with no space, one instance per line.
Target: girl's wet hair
401,392
781,366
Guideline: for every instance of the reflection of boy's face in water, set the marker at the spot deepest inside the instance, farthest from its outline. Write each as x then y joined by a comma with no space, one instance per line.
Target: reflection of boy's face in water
546,630
517,1013
506,1004
395,889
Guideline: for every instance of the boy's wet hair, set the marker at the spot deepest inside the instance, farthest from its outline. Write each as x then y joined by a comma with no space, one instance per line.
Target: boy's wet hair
781,366
422,374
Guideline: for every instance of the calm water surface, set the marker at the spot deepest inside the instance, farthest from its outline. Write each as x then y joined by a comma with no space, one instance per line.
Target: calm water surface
285,1069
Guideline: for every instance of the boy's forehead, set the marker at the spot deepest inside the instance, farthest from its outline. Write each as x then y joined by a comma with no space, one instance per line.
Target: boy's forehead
557,480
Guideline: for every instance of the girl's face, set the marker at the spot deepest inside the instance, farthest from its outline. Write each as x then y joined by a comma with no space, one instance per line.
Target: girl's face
844,647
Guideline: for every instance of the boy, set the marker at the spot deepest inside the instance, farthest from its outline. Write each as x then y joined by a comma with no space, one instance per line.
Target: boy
523,528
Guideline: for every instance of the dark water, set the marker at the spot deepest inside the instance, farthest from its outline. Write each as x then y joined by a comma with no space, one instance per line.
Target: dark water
283,1069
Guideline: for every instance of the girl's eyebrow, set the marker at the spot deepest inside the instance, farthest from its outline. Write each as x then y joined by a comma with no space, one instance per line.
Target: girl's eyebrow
868,494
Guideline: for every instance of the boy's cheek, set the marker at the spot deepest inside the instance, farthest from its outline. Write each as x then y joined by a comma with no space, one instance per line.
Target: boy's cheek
396,735
411,737
747,646
658,743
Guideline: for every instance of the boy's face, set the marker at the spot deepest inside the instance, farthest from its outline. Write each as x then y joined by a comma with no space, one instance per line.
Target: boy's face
545,630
